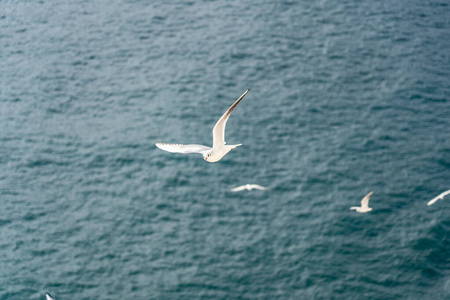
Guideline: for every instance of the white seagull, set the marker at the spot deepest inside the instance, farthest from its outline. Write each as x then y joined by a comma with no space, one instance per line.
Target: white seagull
364,204
49,297
248,187
219,148
441,196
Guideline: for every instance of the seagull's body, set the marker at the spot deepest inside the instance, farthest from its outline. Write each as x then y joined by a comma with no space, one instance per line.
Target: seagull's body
364,204
219,148
248,187
49,297
441,196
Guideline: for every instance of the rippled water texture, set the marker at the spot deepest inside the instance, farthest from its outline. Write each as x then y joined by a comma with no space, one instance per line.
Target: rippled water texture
347,97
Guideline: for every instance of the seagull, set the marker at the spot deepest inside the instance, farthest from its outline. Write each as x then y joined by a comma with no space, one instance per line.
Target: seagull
219,148
364,204
248,187
49,297
441,196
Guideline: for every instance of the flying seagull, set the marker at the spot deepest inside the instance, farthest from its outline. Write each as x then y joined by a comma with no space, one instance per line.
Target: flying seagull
364,204
248,187
441,196
49,297
219,148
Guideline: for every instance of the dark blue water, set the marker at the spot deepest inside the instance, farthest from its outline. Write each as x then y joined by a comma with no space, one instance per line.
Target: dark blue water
346,97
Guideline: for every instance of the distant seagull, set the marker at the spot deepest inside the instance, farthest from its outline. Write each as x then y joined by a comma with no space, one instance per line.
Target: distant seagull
441,196
219,148
49,297
248,187
364,204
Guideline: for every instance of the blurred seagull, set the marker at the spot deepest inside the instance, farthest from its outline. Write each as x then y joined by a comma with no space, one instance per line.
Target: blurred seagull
49,297
364,204
219,148
441,196
248,187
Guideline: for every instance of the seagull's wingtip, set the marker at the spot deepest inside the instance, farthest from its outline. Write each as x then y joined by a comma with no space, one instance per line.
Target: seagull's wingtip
47,295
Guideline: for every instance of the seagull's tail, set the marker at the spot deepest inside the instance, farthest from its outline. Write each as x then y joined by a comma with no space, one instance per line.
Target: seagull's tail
231,147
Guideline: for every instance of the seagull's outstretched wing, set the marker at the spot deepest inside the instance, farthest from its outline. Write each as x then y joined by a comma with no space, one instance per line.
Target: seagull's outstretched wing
180,148
239,188
441,196
365,201
434,200
219,128
49,297
258,187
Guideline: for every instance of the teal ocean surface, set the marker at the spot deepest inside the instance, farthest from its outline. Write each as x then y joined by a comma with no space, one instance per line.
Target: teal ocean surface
347,97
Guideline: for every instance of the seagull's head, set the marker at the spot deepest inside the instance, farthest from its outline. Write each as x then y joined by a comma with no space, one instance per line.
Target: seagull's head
209,157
